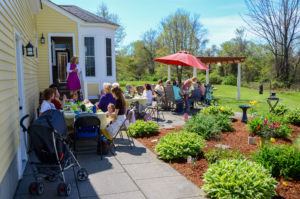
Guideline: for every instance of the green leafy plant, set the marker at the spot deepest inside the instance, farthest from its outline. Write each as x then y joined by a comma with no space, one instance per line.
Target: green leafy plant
140,127
293,116
296,142
224,122
280,109
280,160
179,145
230,80
216,110
213,155
205,126
238,179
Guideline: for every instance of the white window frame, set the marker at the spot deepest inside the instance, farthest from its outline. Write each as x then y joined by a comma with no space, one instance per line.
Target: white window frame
111,43
86,36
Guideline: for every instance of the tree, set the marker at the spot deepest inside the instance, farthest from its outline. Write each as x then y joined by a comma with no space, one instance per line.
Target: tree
103,12
277,22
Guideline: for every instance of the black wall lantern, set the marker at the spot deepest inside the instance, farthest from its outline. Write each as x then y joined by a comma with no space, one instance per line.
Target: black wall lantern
42,39
23,50
29,50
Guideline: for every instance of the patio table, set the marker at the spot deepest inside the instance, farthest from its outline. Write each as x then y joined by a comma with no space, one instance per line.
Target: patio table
142,100
70,115
272,107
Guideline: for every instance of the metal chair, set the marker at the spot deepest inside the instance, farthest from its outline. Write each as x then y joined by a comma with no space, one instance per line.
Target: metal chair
123,127
140,89
86,127
169,95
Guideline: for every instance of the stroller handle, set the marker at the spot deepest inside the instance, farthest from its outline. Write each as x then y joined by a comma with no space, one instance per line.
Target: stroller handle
21,122
49,122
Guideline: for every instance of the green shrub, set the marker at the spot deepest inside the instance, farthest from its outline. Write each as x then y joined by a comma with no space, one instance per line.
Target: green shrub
280,109
155,78
283,131
215,79
146,78
165,78
280,160
245,84
213,155
276,84
238,179
230,80
216,110
179,145
140,127
224,122
293,116
204,125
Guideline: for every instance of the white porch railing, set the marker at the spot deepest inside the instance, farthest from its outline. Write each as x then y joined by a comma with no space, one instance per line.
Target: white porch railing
83,83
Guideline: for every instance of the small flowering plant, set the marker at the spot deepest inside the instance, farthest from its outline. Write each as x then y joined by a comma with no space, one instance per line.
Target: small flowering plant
254,105
269,129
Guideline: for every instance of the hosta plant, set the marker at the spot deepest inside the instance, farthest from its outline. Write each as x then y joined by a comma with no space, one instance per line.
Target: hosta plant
215,110
213,155
179,145
280,160
204,125
280,109
293,116
239,179
141,127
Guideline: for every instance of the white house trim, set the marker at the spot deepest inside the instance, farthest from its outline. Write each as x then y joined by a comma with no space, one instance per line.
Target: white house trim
49,46
34,6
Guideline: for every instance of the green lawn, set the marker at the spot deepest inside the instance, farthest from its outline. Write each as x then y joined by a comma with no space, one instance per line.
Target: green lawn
226,95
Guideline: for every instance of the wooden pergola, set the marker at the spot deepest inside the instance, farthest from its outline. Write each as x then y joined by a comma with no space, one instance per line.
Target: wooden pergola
224,60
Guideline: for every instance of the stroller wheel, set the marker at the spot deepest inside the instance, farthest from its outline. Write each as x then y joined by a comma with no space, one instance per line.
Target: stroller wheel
82,174
40,188
61,189
33,188
68,189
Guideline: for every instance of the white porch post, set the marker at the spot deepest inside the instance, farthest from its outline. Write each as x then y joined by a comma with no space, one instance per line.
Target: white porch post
239,82
83,83
195,72
207,75
169,73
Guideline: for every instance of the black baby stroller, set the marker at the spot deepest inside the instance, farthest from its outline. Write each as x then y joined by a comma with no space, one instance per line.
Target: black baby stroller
48,135
209,99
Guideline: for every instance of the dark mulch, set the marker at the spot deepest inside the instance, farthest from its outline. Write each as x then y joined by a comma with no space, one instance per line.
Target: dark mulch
237,140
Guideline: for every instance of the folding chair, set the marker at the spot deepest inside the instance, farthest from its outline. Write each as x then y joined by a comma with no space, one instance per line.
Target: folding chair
140,89
169,95
87,127
123,127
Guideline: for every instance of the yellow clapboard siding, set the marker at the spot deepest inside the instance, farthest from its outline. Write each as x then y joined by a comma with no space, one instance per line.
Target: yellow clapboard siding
15,14
57,23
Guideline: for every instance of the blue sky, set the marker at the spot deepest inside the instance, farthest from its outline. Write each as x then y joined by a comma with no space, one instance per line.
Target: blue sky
220,17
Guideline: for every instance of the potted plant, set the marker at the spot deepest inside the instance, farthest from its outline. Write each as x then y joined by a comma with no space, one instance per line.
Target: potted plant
251,139
268,131
83,108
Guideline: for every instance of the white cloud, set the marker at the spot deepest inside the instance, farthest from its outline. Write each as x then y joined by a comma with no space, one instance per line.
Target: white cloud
221,29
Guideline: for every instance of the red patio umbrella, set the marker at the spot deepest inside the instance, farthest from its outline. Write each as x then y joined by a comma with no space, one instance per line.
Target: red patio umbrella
182,58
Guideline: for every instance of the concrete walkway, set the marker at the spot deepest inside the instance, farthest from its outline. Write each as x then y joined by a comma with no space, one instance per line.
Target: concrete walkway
128,174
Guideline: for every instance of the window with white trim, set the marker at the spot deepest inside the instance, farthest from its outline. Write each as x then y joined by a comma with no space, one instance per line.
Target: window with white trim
108,57
89,51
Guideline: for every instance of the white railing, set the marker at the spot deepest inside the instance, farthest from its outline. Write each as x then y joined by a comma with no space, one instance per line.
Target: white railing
83,83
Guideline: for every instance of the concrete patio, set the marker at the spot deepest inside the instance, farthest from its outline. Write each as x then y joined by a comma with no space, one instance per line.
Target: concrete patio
128,174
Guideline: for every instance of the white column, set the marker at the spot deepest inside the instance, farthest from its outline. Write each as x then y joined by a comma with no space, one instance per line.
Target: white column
169,73
195,72
207,75
238,97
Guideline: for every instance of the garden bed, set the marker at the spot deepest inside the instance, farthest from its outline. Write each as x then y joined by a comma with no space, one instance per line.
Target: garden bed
237,140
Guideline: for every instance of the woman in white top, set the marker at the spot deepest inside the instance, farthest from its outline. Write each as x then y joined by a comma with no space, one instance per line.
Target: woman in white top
73,82
48,95
148,94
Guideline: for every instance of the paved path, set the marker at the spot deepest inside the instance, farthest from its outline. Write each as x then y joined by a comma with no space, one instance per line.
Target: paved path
129,174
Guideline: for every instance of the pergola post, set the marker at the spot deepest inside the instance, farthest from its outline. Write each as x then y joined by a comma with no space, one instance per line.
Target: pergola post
207,75
195,72
238,97
169,73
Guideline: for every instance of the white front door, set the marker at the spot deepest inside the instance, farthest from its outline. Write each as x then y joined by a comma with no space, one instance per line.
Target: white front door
22,156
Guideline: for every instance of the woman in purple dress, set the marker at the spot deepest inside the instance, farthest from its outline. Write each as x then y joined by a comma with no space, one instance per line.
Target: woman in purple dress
73,69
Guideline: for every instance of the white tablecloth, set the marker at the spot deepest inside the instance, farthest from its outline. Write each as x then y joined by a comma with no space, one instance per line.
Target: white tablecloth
142,100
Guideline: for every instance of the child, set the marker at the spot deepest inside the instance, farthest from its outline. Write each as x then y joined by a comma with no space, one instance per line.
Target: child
131,90
75,96
111,109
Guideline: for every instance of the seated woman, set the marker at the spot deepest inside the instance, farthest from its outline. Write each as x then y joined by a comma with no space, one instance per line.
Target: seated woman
148,94
119,113
48,95
56,101
107,98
